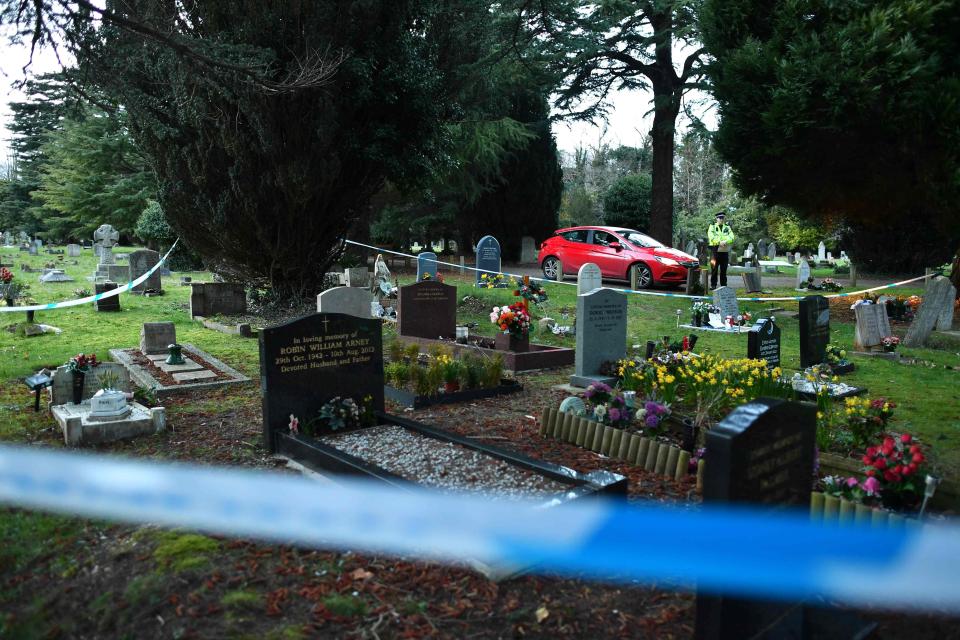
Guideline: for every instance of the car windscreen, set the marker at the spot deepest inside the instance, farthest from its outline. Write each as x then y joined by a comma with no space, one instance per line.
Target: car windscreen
638,239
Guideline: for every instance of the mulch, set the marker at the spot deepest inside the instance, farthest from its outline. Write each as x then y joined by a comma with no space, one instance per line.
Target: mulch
167,379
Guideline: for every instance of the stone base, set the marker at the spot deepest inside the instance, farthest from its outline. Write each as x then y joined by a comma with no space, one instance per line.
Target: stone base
883,355
79,430
190,376
585,381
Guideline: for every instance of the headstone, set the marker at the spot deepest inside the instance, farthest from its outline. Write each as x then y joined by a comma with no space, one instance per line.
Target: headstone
117,273
772,250
843,255
873,326
726,299
601,334
357,277
763,342
427,310
488,257
797,257
691,248
212,298
155,337
829,256
32,250
307,362
73,250
762,248
106,236
106,304
703,254
790,259
748,252
803,272
814,330
55,275
588,278
945,321
452,246
821,252
427,264
752,281
939,294
528,250
351,301
38,243
761,454
141,262
61,389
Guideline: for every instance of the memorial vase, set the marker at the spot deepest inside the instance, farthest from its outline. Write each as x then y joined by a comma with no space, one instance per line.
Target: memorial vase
512,342
78,379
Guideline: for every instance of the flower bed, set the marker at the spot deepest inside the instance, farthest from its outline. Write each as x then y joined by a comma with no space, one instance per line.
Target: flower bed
414,401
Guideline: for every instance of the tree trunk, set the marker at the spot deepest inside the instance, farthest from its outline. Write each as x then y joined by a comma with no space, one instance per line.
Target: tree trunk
955,272
661,205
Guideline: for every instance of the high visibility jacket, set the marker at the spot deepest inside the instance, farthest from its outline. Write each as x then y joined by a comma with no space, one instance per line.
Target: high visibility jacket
719,234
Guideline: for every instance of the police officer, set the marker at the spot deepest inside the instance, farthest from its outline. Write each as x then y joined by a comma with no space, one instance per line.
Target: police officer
719,238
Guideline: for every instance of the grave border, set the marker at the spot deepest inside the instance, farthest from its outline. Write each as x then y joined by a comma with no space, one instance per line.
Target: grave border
142,378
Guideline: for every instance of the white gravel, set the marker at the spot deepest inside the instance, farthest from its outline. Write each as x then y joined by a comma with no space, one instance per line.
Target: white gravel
439,464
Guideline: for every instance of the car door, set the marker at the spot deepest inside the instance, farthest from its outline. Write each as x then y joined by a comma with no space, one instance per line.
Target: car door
574,250
611,262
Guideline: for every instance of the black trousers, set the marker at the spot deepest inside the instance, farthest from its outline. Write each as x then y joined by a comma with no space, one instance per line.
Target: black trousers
718,265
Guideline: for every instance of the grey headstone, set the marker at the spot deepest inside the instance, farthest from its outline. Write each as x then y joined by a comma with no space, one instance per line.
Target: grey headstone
601,334
352,301
107,237
212,298
691,248
488,257
752,281
772,250
32,250
588,278
762,248
155,337
73,250
61,390
945,321
427,264
357,277
141,262
803,272
939,294
55,275
814,330
873,326
528,250
726,299
117,273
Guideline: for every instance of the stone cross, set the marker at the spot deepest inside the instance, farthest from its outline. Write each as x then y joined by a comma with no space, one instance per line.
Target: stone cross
107,236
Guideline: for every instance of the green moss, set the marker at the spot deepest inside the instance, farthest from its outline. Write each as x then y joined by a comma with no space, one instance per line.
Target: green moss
184,551
345,605
242,600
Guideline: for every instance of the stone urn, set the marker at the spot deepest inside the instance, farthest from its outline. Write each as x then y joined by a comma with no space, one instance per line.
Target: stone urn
513,342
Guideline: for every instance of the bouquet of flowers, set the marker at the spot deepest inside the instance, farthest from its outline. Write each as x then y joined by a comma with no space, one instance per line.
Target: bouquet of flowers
652,415
609,407
492,281
896,465
836,354
852,489
890,343
10,290
512,319
82,362
829,284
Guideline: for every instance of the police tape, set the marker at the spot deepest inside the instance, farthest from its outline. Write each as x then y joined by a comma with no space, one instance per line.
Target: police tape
730,550
97,296
661,294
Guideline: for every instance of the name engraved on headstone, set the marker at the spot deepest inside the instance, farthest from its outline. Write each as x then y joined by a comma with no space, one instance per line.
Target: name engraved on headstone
763,342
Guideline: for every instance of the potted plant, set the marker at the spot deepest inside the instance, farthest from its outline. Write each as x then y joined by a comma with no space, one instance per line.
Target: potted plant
451,373
514,323
79,365
890,343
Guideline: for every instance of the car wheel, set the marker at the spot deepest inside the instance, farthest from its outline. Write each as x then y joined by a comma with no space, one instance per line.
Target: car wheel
552,269
640,276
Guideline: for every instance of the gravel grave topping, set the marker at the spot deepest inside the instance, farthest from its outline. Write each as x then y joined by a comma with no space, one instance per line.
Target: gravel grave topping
443,465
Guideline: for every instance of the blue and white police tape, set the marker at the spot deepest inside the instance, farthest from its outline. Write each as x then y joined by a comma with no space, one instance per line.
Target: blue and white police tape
661,294
732,550
97,296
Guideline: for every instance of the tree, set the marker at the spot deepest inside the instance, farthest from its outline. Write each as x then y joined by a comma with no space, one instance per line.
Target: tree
627,202
846,110
628,44
700,173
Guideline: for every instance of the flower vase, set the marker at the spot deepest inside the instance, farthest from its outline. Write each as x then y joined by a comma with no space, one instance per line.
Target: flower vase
512,342
697,319
451,387
78,380
9,301
689,435
889,348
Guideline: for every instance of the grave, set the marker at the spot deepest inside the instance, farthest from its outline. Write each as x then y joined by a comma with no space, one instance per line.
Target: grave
217,298
117,273
937,301
427,310
691,248
200,371
752,281
32,250
73,250
106,237
427,266
528,250
75,420
601,334
762,248
762,454
588,278
488,257
309,361
357,277
748,252
726,299
772,251
814,330
55,275
763,342
155,337
873,325
140,262
348,300
803,273
106,304
821,252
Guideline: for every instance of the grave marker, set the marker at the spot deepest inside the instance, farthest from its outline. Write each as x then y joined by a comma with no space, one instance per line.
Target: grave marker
307,362
106,304
762,248
752,281
763,342
212,298
938,295
358,277
427,264
588,278
488,257
528,250
155,337
601,334
803,272
772,251
351,301
427,310
814,330
873,326
821,252
726,299
140,262
73,250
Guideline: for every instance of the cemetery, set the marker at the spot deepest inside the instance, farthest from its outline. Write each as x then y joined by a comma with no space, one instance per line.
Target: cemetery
321,250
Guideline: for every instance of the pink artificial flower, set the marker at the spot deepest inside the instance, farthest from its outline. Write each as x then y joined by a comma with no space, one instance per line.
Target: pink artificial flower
294,424
852,482
872,486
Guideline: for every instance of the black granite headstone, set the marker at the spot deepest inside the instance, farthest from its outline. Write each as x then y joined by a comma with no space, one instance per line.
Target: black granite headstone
428,310
814,330
106,304
306,362
760,454
763,342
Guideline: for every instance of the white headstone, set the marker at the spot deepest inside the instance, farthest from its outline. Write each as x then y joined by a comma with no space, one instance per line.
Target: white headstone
588,278
803,272
873,326
748,252
73,250
726,299
353,301
821,252
796,257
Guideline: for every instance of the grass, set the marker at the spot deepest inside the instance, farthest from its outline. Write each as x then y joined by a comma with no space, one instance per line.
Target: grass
179,551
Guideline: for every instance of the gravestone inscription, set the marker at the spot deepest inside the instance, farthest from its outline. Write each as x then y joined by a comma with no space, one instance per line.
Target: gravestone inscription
601,334
357,277
763,342
488,257
726,299
427,310
427,264
873,326
814,330
351,301
140,262
588,278
307,362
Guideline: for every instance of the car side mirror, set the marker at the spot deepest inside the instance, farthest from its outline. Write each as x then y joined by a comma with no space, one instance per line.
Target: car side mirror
616,246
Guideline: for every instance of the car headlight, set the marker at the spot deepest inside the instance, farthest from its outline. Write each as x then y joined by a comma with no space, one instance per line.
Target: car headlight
670,262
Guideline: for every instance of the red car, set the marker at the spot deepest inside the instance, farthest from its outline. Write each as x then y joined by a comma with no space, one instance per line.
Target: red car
616,251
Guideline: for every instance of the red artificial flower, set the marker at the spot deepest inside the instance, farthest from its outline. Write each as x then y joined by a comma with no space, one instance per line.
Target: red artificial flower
888,442
912,467
871,473
868,459
906,438
888,475
915,449
918,458
871,451
880,464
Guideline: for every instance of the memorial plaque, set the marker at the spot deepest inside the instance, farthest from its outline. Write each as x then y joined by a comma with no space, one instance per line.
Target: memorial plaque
760,454
427,310
763,342
588,278
488,257
814,330
427,264
873,325
726,299
307,362
601,334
